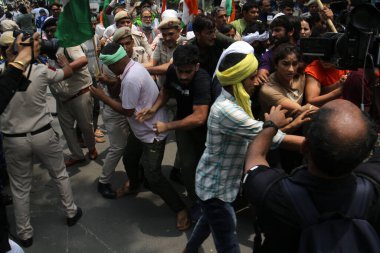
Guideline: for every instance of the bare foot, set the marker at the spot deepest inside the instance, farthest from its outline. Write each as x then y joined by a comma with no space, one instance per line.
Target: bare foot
183,221
124,190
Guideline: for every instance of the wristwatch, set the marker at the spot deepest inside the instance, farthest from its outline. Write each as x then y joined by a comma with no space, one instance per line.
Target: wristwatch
270,123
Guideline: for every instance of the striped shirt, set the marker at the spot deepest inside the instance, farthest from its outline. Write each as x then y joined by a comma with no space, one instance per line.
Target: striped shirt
230,130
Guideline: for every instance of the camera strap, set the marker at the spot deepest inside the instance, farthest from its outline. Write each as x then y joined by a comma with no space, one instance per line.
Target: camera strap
31,44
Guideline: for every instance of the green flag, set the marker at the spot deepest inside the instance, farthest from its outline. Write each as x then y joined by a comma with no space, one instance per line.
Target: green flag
106,22
74,24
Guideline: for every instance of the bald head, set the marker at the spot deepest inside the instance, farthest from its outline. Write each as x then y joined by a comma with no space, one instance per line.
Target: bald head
339,138
347,123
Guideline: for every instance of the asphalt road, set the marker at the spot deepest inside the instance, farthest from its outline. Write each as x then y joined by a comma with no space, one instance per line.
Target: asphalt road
136,224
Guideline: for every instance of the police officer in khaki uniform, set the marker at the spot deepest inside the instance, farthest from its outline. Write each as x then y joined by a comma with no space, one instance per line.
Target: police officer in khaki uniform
123,19
75,104
169,38
124,37
25,124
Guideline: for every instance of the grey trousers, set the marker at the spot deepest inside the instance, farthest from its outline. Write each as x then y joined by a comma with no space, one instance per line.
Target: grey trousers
19,153
79,109
117,130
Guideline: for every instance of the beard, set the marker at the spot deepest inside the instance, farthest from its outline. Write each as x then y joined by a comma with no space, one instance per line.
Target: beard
278,41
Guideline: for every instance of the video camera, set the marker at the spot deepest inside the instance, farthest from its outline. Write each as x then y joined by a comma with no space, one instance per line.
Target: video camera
350,50
26,39
48,47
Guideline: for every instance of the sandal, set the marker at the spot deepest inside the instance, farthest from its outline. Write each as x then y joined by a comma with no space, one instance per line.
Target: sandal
70,162
93,154
183,221
99,133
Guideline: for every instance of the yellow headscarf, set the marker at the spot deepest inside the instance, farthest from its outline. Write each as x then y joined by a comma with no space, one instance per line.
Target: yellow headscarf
235,75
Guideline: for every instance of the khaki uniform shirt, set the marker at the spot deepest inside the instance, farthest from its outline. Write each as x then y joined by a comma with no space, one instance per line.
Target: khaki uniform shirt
28,110
80,78
139,55
162,54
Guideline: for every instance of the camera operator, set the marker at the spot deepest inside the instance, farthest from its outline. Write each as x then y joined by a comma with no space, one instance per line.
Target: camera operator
74,101
25,124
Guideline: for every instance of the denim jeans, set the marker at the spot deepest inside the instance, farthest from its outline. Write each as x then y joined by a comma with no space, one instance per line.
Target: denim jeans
218,217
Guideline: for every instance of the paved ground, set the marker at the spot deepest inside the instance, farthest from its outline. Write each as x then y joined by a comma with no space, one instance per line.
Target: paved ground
135,224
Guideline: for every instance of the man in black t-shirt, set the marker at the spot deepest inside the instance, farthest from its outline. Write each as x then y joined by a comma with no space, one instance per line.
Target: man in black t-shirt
340,136
209,42
191,87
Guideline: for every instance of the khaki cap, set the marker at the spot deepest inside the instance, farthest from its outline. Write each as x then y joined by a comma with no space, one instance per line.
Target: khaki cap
169,23
121,33
6,39
120,15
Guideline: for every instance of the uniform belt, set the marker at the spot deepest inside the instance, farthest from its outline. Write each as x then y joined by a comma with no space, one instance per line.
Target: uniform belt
42,129
81,92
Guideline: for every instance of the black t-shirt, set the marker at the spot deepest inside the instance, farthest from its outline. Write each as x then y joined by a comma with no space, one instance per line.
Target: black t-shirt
209,57
198,92
276,215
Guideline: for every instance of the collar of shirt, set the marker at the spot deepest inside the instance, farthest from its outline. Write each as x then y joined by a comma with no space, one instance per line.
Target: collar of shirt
129,65
228,96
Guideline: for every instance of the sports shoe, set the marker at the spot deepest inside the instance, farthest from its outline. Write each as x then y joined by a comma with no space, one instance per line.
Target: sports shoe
72,221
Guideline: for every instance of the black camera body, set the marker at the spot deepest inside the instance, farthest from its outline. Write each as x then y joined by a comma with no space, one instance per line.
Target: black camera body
49,48
348,50
25,36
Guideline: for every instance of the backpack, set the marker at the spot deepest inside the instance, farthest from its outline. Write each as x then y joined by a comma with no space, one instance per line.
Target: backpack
334,232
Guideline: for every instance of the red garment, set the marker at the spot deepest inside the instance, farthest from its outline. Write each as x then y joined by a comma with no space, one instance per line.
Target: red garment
326,77
352,88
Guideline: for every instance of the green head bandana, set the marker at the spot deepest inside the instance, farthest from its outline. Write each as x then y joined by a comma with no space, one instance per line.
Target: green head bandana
109,59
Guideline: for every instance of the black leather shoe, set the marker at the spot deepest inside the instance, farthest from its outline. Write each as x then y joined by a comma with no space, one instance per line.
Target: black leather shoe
26,243
106,191
72,221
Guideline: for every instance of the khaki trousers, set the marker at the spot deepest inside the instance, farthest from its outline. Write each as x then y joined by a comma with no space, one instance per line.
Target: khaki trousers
19,152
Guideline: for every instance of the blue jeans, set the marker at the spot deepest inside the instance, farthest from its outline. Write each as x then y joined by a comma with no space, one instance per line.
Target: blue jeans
218,217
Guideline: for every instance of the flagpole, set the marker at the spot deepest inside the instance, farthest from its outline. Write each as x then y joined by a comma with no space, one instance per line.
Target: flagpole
96,56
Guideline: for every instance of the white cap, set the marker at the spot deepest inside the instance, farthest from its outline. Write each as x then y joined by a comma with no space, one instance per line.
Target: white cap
278,15
169,13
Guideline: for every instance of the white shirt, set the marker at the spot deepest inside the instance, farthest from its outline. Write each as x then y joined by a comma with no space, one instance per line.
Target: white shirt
139,91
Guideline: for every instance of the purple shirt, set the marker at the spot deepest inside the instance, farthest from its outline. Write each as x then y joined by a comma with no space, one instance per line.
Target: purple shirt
266,61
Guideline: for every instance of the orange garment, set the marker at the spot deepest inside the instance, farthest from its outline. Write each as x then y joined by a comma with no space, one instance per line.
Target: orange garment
326,77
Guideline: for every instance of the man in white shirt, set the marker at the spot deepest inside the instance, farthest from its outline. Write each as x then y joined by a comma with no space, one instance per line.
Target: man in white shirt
138,91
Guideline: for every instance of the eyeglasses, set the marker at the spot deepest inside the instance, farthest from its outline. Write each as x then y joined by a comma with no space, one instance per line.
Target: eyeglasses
147,17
